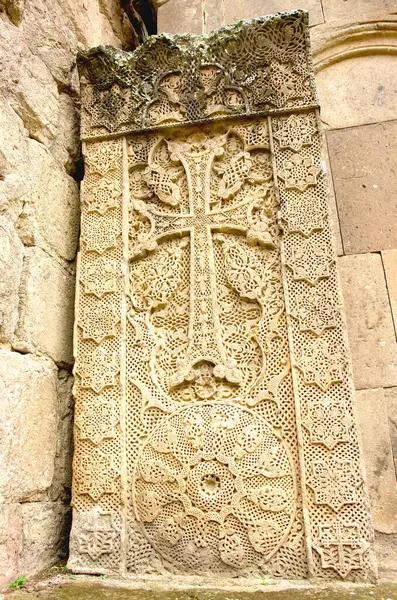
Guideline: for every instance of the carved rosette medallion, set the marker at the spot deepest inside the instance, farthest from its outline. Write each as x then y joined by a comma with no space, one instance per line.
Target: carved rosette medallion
215,424
214,484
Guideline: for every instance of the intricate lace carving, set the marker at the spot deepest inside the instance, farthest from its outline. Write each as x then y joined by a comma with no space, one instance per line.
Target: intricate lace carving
246,68
188,451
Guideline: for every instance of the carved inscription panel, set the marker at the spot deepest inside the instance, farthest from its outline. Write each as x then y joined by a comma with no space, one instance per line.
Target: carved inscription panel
215,428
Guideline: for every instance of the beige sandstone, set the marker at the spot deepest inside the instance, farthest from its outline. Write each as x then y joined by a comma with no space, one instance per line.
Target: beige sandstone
10,542
44,533
365,180
353,9
11,254
389,258
28,420
46,308
369,322
391,399
375,438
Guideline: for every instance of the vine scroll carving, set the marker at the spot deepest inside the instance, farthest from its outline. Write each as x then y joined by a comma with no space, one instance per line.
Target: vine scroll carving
215,428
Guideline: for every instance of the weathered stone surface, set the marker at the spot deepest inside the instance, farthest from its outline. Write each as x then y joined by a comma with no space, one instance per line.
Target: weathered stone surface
378,458
358,91
10,542
62,480
44,527
50,216
354,9
369,322
391,400
66,147
389,258
248,9
386,552
189,19
46,308
28,420
365,180
11,252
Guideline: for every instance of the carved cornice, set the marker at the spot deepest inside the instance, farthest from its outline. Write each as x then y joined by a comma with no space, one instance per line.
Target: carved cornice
250,68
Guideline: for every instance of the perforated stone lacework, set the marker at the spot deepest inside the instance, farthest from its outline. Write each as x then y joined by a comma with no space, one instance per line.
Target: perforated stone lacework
248,68
215,430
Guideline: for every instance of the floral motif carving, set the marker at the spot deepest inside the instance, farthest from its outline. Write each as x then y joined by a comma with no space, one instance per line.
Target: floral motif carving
98,369
105,194
334,482
328,422
100,277
100,234
296,131
97,420
341,547
196,474
310,261
299,172
321,364
315,311
99,322
95,474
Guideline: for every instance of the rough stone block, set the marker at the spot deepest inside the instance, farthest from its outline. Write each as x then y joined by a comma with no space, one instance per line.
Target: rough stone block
389,258
10,543
391,400
365,180
50,217
62,481
11,252
370,326
28,425
354,9
46,308
189,19
248,9
378,459
44,525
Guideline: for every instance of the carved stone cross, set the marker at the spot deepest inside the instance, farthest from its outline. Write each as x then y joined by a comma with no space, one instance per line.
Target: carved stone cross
198,157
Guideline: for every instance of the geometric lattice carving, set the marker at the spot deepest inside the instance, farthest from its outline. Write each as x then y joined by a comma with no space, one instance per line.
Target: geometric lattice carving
215,427
328,422
334,483
97,420
320,364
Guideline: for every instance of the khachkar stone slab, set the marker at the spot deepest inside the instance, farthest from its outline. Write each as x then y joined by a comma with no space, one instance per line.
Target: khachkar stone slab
215,427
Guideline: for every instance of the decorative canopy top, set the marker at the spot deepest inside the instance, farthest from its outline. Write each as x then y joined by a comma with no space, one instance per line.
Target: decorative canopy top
250,68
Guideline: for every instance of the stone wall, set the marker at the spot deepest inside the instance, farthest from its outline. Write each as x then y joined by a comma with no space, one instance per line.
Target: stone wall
40,170
355,45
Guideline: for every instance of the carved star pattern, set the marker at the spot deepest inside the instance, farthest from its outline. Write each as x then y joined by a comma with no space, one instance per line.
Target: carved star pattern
303,219
310,261
99,537
100,277
295,132
97,420
95,474
334,483
105,157
328,422
340,547
99,322
100,234
299,172
98,369
321,365
104,195
315,312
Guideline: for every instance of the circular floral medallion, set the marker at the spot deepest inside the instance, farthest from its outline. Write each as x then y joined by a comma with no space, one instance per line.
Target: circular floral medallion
214,488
